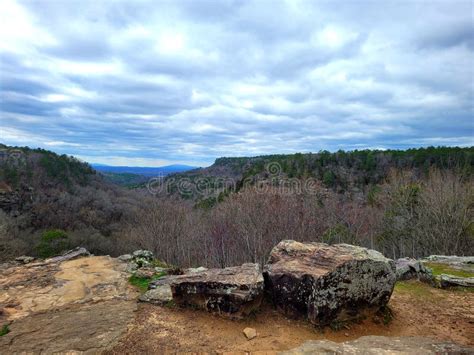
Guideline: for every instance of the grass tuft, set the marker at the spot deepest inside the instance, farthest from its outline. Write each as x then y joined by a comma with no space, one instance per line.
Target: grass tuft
142,283
439,269
4,330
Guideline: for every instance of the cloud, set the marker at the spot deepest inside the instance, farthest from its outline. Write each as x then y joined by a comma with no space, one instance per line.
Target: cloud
187,81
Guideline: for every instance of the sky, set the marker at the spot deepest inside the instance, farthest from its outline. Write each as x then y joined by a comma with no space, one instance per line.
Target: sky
150,83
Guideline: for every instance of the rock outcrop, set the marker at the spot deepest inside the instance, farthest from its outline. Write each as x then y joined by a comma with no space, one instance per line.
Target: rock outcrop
408,269
451,271
78,252
378,345
233,292
323,283
450,259
64,304
446,281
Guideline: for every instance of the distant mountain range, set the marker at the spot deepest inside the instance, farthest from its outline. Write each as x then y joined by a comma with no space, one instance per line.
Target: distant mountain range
144,171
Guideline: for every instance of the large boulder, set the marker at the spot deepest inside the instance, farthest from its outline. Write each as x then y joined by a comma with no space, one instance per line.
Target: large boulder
233,292
408,269
377,345
328,282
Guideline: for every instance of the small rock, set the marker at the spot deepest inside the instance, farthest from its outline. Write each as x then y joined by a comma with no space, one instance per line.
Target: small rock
250,333
25,259
161,270
143,254
145,273
160,295
131,267
125,257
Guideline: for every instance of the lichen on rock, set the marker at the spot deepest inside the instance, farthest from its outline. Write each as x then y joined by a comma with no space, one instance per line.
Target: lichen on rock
323,283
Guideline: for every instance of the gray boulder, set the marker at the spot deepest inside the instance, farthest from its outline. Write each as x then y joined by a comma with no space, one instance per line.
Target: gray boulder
160,295
233,292
379,345
324,283
408,269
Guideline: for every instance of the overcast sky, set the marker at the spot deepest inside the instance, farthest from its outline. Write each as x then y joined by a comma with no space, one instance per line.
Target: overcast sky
160,82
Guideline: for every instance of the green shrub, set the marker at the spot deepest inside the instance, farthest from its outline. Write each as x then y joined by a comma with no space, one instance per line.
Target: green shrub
53,242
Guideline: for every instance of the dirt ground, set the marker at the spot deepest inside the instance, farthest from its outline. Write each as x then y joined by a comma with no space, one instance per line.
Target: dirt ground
418,309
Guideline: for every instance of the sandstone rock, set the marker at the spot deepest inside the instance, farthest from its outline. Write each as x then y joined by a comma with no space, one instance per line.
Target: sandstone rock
81,305
323,283
233,292
250,333
446,281
25,259
408,268
160,295
379,345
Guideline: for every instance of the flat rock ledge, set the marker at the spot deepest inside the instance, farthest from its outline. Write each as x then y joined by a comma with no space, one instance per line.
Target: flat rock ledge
380,345
233,292
326,283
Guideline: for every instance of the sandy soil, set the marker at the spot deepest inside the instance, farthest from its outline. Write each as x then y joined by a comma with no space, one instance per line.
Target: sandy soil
418,310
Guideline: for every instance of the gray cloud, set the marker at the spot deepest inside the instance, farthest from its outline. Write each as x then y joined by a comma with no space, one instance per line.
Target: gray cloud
147,83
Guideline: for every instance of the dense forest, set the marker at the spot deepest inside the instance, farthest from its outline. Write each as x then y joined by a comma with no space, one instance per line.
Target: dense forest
404,203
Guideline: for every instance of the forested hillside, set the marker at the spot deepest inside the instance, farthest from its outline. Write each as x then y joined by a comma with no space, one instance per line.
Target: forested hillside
41,191
341,171
404,203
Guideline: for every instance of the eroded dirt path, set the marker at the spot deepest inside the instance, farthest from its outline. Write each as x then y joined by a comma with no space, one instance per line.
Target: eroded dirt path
419,310
77,305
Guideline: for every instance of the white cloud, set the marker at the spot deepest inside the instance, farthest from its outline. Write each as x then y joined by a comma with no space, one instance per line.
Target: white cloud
188,82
